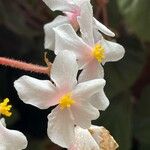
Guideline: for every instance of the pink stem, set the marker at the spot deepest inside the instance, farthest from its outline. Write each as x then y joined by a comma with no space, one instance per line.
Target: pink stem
24,66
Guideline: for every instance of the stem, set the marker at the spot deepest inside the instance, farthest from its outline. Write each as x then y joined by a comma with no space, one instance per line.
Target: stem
24,66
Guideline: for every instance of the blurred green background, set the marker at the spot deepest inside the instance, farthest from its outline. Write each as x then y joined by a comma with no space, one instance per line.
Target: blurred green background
128,81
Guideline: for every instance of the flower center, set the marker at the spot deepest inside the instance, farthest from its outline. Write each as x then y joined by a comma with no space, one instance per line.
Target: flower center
5,108
66,101
98,52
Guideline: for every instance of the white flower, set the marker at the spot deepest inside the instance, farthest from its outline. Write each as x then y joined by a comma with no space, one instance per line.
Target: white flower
94,138
11,139
71,9
72,99
90,51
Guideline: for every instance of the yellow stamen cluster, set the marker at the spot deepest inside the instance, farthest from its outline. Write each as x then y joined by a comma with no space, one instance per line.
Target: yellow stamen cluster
98,52
5,108
66,101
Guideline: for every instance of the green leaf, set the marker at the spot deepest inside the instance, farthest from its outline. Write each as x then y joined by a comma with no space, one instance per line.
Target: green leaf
117,119
137,15
142,118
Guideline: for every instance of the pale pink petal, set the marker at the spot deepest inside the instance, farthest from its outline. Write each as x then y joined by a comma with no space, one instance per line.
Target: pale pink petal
2,120
64,70
67,39
61,5
49,32
96,133
11,139
99,100
113,51
97,36
79,2
103,28
83,140
87,89
60,127
83,113
86,23
39,93
72,17
93,70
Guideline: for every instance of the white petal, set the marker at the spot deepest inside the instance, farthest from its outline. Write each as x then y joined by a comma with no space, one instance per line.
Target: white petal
64,70
113,51
87,89
60,127
96,133
103,28
99,100
79,2
86,23
93,70
61,5
66,38
49,32
83,113
11,139
83,140
39,93
97,36
2,120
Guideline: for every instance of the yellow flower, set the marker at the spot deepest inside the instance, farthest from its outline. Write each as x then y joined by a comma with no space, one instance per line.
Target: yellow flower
5,108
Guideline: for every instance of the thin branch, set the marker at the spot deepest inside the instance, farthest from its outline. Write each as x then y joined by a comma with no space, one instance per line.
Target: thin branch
24,66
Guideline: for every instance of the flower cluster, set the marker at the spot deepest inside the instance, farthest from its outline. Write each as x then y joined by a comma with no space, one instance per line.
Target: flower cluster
77,95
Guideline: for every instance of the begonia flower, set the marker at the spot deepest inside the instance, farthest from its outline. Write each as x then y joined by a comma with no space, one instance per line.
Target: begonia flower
71,9
91,53
72,99
94,138
11,139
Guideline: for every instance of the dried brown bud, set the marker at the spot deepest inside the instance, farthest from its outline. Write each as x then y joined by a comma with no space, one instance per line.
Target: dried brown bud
103,138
